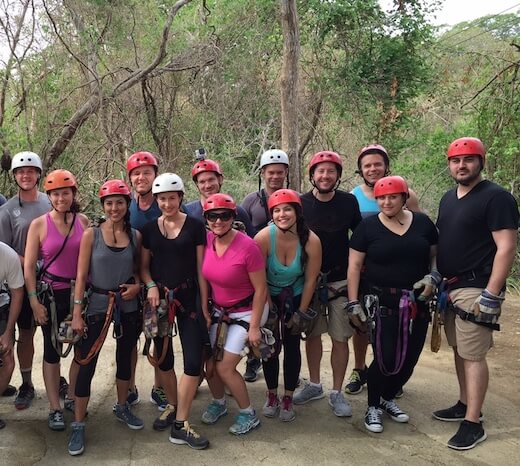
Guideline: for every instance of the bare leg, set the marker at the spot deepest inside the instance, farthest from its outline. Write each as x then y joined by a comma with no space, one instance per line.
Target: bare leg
25,348
73,375
360,345
51,377
477,379
215,383
227,370
314,351
187,389
168,381
338,361
459,368
80,408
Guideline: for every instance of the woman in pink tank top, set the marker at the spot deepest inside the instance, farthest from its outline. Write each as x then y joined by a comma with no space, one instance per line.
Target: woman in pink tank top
55,238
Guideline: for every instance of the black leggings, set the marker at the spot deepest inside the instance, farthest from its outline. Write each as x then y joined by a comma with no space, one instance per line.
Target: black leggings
124,347
386,386
292,358
62,299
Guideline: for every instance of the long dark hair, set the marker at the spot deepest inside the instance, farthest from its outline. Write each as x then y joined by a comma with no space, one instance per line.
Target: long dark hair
303,232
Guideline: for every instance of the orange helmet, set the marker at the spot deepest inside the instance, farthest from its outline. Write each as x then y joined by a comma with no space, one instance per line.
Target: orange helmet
467,146
391,185
59,179
114,188
283,196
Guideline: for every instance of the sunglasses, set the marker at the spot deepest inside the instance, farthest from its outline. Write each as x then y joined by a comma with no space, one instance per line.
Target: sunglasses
214,216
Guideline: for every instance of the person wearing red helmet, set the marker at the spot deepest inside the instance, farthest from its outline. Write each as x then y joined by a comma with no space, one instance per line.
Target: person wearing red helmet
293,260
108,261
332,214
55,237
396,248
234,269
478,231
373,164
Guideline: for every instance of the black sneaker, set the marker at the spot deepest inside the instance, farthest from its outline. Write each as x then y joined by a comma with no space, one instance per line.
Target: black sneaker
64,387
468,435
166,419
454,413
10,390
253,367
24,397
357,379
2,424
187,436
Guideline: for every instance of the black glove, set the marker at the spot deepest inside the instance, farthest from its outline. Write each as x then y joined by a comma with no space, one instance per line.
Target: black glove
487,307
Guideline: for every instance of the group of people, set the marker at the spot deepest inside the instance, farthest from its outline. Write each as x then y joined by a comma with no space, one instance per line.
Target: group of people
254,279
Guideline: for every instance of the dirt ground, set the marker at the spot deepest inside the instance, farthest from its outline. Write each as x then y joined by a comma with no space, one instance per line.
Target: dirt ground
315,437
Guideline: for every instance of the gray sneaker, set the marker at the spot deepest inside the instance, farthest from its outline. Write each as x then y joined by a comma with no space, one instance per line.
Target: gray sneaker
214,412
244,422
77,439
271,405
287,413
56,421
124,414
308,393
340,406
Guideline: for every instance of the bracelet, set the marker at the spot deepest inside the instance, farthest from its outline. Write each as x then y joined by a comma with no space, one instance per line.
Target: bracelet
30,294
78,301
151,284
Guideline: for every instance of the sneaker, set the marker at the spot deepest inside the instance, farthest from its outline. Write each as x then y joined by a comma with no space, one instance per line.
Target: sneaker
271,406
340,406
64,387
2,424
454,413
187,436
399,393
10,390
468,435
253,367
244,422
133,397
287,413
25,396
69,404
166,419
77,439
56,421
214,412
158,397
124,414
373,420
396,413
357,379
308,393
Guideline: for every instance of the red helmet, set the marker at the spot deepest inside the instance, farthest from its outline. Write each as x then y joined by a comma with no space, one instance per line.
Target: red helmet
206,165
325,156
140,159
467,146
391,185
283,196
373,149
59,179
219,201
114,187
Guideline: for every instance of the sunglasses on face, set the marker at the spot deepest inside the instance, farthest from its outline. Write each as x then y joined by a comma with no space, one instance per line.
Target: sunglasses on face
214,216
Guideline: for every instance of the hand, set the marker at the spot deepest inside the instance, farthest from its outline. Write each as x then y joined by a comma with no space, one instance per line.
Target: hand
152,295
78,324
254,336
129,291
429,284
301,322
356,314
39,312
6,342
207,318
487,307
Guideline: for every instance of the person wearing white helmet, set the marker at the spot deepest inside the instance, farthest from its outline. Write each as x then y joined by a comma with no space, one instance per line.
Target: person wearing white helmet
16,216
171,260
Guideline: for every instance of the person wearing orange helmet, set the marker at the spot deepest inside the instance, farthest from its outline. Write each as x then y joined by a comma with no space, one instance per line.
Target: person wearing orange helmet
397,250
478,232
55,237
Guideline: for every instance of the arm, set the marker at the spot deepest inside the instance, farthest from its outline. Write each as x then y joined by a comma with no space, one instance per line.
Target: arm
355,264
6,339
259,282
413,202
130,290
152,292
203,285
312,270
505,241
85,253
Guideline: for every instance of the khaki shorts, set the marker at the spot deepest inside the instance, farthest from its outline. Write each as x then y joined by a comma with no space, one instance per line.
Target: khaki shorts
472,341
336,324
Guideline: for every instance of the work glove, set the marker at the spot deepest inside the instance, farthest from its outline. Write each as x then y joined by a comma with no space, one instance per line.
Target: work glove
487,307
428,284
356,314
301,322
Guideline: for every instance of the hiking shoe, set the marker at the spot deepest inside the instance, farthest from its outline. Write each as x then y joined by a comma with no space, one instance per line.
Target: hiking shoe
187,436
64,387
25,396
56,421
340,406
124,414
308,393
133,397
244,422
399,393
373,420
166,419
396,413
10,390
158,397
253,367
77,439
468,435
214,412
2,424
69,404
271,405
287,413
357,379
454,413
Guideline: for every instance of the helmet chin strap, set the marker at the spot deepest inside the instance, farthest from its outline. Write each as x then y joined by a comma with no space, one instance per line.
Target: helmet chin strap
139,198
286,230
326,191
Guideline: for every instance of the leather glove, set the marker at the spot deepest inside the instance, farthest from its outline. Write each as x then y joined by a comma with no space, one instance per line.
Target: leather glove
356,314
301,322
487,307
428,284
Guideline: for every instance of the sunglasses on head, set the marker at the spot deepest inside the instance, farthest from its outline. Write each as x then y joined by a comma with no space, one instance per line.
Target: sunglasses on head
214,216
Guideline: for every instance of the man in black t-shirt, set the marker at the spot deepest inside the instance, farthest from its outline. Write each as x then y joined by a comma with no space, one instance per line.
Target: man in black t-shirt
331,214
477,222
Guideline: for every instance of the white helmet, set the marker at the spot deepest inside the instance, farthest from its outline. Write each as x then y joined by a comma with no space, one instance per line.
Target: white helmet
273,156
167,182
26,159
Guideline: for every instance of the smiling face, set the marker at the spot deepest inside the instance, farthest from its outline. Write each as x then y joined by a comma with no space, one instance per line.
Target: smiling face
220,221
141,179
115,207
27,177
274,176
61,199
284,216
466,169
391,204
208,183
373,167
325,176
169,202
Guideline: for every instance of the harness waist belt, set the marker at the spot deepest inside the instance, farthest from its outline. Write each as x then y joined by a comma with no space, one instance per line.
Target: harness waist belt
57,278
469,276
97,290
470,317
242,303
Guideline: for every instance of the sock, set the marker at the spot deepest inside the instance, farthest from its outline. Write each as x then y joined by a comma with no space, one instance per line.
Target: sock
317,385
26,375
248,410
334,392
178,425
220,401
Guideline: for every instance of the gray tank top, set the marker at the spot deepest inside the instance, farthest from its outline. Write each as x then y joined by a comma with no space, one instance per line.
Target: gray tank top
108,270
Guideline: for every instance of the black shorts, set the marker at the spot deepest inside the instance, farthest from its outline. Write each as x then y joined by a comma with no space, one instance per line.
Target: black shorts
25,319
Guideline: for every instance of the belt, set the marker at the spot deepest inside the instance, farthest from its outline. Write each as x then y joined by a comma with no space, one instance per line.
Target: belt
470,317
470,276
57,278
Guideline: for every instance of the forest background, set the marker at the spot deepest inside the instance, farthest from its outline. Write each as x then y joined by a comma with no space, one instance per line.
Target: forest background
85,83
